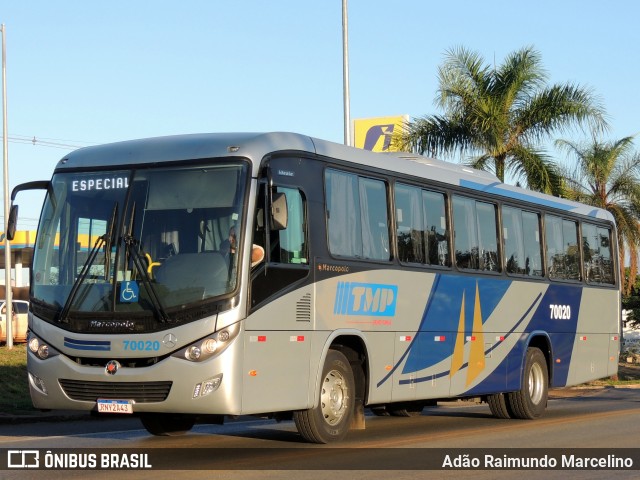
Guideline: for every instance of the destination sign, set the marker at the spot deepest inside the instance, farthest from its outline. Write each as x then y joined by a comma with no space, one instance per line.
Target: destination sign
110,182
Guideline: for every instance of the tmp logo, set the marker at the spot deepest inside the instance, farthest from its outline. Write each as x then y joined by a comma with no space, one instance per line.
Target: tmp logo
371,299
23,459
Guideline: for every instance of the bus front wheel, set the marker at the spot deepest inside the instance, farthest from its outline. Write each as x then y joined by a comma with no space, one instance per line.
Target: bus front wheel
330,419
531,400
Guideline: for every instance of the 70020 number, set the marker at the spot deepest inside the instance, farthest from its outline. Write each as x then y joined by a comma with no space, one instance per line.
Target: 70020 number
560,312
141,345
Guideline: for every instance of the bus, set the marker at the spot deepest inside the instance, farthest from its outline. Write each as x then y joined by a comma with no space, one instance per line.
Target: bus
189,278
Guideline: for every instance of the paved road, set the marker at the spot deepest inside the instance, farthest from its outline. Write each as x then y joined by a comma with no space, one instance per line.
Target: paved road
607,418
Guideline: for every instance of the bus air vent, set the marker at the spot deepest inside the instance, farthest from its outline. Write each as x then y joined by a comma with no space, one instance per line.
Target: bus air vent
143,392
303,309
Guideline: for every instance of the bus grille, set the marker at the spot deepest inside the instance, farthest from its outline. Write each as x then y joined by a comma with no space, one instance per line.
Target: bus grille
144,392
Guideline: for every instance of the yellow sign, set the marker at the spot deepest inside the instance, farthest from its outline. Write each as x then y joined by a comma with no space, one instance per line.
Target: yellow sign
377,134
22,239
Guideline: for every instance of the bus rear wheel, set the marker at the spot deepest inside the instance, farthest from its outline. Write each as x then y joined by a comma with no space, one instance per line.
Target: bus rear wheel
167,424
531,400
330,419
499,405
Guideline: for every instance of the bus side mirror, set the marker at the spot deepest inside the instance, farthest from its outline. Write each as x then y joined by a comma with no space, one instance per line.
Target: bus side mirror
279,212
12,223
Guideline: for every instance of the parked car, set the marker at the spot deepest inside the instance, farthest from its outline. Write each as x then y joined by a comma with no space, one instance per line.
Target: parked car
20,321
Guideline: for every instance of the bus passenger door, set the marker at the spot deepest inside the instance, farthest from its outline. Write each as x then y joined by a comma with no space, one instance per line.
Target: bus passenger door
277,334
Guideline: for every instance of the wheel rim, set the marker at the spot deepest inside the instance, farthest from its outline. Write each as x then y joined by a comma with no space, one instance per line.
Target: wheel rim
536,383
334,397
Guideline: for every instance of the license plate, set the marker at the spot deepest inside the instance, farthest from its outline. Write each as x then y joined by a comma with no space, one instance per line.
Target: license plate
115,406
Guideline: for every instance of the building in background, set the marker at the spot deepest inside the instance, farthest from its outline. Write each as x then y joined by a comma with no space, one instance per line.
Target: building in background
21,256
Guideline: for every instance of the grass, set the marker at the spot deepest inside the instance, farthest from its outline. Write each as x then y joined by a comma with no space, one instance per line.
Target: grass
15,387
628,374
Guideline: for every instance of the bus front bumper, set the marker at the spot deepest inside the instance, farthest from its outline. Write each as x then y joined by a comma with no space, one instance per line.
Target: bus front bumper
172,385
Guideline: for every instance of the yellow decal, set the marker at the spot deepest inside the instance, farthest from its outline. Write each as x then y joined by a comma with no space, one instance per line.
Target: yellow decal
458,352
476,357
476,363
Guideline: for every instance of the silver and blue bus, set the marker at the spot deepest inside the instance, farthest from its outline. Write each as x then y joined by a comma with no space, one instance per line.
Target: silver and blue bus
188,278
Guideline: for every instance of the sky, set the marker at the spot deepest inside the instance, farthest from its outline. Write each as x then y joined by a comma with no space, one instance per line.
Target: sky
82,73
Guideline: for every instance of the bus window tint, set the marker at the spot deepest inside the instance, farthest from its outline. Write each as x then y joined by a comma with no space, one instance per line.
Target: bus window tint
475,242
532,244
562,248
436,235
522,248
597,254
486,213
357,216
409,224
513,240
291,243
465,233
421,226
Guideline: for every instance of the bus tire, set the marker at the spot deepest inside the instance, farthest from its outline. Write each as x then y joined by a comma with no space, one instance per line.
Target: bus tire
167,424
329,421
498,405
531,400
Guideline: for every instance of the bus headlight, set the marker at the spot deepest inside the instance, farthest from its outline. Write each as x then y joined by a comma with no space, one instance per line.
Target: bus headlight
193,353
210,346
37,383
41,349
34,344
208,386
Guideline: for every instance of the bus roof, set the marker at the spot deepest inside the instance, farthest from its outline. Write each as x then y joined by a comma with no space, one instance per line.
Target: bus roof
255,146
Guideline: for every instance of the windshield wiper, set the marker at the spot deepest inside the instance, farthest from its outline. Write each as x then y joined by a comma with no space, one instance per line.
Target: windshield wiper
131,247
81,278
108,242
103,240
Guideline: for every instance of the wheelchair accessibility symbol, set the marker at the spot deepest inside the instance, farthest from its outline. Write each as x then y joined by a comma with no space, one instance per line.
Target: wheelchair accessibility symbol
129,292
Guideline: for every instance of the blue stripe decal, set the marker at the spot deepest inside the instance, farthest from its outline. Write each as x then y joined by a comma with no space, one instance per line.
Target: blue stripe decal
97,345
436,282
443,313
496,190
444,374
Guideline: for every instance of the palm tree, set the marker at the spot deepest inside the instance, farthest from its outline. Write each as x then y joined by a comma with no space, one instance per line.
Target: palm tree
500,115
607,175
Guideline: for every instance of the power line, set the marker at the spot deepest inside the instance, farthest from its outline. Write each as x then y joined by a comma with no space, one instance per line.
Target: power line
47,142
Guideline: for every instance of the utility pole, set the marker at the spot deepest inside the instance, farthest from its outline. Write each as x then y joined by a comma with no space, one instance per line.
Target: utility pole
345,74
5,158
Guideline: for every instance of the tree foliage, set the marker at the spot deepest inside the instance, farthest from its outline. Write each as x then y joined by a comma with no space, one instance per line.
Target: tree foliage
607,175
499,115
631,302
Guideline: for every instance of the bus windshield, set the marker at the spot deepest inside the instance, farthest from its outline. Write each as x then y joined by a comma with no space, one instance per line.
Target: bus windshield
151,244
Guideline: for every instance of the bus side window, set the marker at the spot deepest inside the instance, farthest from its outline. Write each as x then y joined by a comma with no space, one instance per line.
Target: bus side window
436,234
562,248
288,245
409,224
476,241
465,233
597,254
532,244
291,242
357,220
